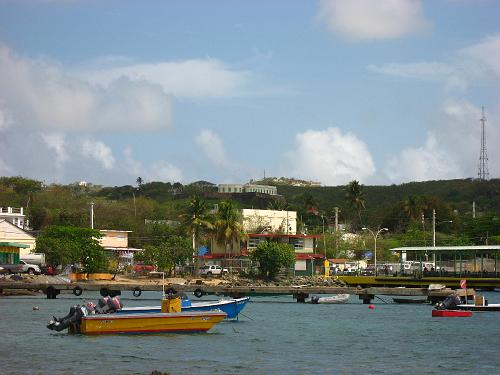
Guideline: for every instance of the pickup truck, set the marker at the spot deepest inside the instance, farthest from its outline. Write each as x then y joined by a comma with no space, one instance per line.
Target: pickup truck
21,267
213,270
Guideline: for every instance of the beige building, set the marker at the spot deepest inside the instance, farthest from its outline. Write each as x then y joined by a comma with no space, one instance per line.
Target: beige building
269,221
13,233
116,241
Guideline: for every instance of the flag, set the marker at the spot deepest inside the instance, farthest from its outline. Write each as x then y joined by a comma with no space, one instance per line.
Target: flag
463,284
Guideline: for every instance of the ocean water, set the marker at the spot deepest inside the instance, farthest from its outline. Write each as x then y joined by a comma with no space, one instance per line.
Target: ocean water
274,336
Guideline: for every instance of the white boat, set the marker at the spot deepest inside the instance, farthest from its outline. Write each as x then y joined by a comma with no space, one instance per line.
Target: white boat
337,298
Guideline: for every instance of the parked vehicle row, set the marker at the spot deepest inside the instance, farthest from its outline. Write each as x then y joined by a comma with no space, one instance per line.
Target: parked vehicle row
21,267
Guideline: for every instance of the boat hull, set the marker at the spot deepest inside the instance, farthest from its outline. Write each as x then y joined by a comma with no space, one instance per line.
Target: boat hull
231,307
451,313
468,307
150,323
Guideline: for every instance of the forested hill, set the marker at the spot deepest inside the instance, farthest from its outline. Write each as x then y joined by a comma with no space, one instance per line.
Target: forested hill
459,193
125,207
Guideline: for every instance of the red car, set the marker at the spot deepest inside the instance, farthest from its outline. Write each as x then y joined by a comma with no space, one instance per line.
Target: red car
140,267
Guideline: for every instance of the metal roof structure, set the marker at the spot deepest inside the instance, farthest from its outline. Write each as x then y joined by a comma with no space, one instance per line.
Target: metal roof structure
448,248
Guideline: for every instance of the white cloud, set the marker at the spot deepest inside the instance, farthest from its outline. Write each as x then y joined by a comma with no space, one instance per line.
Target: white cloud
487,53
43,95
213,148
57,143
476,64
165,171
430,162
98,151
159,171
370,19
451,149
196,78
330,157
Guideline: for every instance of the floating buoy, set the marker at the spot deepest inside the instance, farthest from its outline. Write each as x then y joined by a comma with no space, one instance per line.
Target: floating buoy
371,307
36,308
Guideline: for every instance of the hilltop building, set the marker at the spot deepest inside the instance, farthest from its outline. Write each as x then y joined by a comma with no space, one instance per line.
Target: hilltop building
247,188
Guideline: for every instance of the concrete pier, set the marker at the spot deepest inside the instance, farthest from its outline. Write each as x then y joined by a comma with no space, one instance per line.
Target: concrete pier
300,293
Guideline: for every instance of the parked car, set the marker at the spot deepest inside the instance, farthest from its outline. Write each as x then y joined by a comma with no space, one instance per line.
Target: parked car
22,267
142,268
212,270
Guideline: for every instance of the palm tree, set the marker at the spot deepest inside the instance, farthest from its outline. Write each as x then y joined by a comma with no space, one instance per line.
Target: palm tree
413,206
197,219
228,225
355,197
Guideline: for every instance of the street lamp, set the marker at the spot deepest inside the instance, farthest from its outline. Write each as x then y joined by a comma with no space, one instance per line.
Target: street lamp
324,240
434,235
375,235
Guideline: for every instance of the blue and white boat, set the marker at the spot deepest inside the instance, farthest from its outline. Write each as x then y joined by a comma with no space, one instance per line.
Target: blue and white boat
232,307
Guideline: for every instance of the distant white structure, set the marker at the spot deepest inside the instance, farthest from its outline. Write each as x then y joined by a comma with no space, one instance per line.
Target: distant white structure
247,188
14,215
83,183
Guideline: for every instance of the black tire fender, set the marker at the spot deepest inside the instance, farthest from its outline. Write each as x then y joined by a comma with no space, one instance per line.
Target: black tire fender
137,292
77,291
198,293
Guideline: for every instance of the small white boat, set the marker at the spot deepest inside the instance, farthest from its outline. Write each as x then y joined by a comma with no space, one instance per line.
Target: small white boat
337,298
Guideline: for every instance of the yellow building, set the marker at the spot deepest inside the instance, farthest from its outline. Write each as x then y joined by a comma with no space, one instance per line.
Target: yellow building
12,233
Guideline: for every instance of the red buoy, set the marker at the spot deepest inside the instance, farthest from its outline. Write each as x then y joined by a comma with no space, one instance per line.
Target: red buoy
371,307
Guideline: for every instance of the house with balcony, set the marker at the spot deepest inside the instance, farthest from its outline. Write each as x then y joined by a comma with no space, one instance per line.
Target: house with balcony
115,242
15,215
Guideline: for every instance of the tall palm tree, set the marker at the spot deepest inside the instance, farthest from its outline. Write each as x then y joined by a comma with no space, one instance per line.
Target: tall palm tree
355,197
228,225
197,219
412,206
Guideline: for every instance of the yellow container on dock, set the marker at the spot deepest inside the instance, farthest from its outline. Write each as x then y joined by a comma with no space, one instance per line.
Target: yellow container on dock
479,300
170,305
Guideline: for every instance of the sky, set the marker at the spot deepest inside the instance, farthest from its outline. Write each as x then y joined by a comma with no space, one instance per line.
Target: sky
380,91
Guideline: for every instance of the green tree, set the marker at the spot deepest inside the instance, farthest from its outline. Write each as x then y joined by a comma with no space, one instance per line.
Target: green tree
355,197
196,219
228,227
165,255
67,245
272,257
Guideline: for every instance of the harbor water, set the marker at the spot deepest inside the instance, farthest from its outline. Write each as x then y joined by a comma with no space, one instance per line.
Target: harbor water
274,336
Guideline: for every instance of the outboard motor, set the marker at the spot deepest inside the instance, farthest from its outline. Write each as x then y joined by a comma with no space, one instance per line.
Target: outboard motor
449,303
106,305
314,299
74,317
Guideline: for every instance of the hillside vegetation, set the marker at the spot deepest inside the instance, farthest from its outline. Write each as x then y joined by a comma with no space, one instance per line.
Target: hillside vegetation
397,207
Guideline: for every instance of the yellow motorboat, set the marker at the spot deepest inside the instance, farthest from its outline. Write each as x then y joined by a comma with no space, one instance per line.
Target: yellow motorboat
170,322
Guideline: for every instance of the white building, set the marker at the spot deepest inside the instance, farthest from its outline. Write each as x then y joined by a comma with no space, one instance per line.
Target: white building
15,216
247,188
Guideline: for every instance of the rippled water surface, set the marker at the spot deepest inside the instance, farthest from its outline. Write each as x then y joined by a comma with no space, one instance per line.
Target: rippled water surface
276,336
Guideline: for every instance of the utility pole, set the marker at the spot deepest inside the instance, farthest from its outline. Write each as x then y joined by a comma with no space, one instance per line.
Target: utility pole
336,219
473,210
92,215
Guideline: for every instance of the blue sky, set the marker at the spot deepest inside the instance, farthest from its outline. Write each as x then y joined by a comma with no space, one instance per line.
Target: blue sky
382,91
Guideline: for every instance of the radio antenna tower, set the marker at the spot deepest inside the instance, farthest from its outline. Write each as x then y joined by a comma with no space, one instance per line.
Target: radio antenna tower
483,173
